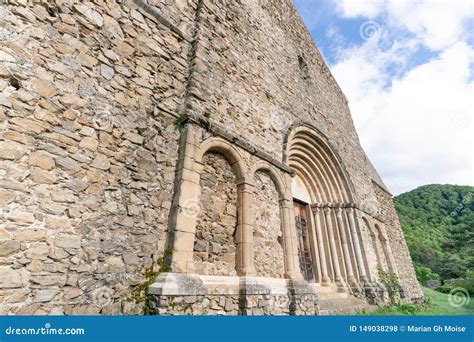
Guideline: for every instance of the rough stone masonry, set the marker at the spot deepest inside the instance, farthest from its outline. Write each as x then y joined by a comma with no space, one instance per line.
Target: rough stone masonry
182,157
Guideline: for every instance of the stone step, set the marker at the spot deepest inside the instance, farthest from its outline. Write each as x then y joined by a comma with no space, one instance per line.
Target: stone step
325,289
344,311
333,296
341,306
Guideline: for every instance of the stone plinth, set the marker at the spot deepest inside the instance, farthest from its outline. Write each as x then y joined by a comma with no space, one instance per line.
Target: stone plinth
192,294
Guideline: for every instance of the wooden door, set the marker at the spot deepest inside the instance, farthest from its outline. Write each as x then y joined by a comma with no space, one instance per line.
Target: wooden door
304,246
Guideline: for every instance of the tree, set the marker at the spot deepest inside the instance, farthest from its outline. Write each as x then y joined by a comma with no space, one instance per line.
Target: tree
438,222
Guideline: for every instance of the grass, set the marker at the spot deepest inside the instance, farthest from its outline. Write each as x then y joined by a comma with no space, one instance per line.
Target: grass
436,303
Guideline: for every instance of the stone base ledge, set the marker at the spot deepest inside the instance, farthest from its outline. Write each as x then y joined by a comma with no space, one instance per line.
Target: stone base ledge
184,284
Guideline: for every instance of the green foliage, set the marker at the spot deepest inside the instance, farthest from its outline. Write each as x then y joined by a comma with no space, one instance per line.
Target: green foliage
467,282
390,281
435,304
446,288
438,223
140,292
397,308
423,274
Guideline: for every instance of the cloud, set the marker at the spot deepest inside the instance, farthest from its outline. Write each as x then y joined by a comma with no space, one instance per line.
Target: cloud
359,8
415,121
439,23
419,129
407,72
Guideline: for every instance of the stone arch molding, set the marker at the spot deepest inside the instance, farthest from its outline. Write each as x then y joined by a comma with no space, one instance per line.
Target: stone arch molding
335,243
286,217
185,207
230,153
379,237
312,157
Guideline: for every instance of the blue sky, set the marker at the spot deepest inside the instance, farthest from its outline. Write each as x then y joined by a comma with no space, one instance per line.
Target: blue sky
407,70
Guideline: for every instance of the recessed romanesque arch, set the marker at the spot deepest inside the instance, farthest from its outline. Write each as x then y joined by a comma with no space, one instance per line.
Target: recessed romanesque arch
229,152
284,199
214,243
267,228
386,248
242,237
310,156
325,224
186,203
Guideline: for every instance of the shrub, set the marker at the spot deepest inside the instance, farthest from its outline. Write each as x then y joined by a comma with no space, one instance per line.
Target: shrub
446,288
390,281
467,282
424,274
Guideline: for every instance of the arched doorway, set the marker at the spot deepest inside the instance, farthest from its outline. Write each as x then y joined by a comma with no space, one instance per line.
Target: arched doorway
301,202
324,217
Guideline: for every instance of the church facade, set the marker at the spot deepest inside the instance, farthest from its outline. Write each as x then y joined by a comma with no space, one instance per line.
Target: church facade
185,157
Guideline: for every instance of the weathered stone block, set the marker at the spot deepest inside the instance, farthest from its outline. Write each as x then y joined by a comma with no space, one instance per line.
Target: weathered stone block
20,217
8,247
42,160
10,278
67,241
29,235
11,150
101,162
42,177
45,295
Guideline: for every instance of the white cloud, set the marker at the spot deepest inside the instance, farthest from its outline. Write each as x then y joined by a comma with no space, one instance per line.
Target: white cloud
417,124
438,23
421,126
359,8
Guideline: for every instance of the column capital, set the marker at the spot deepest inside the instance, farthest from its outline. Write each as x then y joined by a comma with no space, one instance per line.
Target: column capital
350,210
244,181
284,201
338,211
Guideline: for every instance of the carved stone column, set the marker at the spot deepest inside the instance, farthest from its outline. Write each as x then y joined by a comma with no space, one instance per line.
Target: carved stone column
356,243
290,235
332,244
375,239
185,206
291,252
387,249
345,247
244,235
325,280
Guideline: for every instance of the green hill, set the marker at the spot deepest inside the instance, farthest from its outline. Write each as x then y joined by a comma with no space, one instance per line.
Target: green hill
438,222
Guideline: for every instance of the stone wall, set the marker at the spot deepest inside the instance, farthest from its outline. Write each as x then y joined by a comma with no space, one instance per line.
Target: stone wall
267,233
190,294
88,95
410,287
250,305
214,246
254,86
